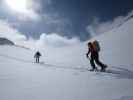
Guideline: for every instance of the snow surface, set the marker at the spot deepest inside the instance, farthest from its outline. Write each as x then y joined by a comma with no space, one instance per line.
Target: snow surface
62,73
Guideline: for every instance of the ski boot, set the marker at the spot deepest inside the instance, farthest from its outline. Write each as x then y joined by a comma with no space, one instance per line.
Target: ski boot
103,69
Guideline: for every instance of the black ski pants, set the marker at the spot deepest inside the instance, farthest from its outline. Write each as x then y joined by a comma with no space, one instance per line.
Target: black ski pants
37,59
95,59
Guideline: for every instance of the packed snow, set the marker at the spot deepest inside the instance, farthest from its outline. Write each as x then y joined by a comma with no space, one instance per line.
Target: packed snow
62,73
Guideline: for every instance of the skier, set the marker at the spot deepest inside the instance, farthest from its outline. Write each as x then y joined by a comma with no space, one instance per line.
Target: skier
37,56
93,49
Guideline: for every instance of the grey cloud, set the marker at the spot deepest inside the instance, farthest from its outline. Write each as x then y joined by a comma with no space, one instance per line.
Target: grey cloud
7,31
97,27
55,40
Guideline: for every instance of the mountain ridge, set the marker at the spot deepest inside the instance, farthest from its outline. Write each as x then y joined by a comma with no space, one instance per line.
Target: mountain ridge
5,41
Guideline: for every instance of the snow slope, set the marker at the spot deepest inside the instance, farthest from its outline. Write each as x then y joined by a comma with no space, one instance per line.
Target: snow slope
62,74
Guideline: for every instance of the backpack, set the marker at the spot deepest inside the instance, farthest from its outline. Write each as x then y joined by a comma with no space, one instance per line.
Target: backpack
96,46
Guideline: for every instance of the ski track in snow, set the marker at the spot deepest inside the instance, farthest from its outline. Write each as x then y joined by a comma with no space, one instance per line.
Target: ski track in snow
119,72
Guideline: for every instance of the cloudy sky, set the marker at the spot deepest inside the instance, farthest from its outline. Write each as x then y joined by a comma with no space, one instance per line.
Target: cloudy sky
69,18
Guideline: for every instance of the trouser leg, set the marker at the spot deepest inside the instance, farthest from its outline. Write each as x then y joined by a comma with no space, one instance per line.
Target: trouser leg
98,62
36,60
92,62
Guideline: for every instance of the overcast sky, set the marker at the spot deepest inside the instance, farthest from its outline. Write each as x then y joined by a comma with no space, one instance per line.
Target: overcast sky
68,18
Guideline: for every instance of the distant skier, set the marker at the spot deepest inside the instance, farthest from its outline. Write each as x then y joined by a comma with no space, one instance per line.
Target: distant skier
37,56
94,49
